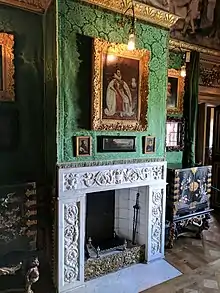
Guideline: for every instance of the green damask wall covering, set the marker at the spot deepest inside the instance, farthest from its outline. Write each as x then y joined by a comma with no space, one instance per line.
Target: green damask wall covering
26,160
50,91
175,62
77,18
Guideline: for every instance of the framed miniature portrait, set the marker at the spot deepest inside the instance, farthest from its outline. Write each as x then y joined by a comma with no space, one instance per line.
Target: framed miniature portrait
83,146
175,92
120,87
149,144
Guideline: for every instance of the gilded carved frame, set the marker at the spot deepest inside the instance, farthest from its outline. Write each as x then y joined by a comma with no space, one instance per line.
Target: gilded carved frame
180,92
98,123
8,70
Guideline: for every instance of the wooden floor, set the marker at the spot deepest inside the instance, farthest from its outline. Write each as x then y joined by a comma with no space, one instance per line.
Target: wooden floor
198,260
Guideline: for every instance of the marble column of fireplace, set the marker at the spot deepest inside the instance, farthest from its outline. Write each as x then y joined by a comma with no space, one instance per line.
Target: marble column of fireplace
74,184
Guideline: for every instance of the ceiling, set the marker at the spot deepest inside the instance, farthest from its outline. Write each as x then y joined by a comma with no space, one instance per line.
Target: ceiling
38,6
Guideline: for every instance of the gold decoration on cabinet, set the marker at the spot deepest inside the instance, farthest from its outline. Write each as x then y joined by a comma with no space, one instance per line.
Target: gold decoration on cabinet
7,67
120,87
175,92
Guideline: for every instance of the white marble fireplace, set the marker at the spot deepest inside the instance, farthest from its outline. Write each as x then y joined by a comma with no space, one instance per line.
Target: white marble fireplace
75,183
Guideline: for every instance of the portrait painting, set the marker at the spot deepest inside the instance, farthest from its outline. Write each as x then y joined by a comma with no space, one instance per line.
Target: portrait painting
116,144
149,144
83,146
175,92
120,87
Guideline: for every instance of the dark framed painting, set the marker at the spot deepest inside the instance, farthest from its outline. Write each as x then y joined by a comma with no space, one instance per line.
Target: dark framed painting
175,92
149,144
83,146
174,134
120,87
116,144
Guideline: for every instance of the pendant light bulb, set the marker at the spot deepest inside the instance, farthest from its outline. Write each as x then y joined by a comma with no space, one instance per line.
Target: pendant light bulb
183,71
131,42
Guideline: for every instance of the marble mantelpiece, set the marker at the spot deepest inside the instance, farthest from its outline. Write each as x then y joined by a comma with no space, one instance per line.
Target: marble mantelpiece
74,184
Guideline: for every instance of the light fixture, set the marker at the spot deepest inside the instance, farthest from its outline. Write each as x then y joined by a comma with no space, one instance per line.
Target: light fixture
131,42
131,38
183,71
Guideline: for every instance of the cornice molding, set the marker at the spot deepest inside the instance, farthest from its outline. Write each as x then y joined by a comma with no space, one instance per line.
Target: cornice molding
37,6
184,46
142,11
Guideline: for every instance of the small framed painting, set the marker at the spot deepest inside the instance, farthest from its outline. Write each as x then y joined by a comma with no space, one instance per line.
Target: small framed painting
175,92
83,146
149,144
116,144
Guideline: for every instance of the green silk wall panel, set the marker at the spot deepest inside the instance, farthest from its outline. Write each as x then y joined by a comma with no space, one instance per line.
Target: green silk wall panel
77,18
25,162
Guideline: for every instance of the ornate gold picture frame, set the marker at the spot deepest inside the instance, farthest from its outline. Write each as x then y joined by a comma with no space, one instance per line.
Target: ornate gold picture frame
175,92
7,67
120,87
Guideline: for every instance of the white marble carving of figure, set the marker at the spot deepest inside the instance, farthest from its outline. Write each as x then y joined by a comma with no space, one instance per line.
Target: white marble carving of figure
118,97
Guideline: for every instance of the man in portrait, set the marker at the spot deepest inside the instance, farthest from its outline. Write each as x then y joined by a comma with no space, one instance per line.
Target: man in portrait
171,96
118,97
83,148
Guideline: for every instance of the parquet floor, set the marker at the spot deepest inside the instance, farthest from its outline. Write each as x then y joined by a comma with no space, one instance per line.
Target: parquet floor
198,260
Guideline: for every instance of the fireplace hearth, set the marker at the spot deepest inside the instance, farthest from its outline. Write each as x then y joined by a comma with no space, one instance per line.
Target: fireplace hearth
81,221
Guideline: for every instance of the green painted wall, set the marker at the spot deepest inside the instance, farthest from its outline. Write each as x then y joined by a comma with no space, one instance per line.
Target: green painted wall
175,62
26,161
74,87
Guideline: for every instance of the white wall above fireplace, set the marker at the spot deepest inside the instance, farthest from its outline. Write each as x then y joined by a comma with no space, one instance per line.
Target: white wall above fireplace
75,183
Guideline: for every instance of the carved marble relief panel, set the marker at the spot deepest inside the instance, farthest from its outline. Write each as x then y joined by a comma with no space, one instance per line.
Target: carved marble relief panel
71,239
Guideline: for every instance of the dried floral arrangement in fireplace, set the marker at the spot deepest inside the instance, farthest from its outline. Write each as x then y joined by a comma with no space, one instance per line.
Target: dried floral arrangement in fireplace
120,87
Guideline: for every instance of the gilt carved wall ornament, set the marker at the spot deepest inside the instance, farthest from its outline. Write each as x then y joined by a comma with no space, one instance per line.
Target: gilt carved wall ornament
120,87
74,181
156,223
71,239
7,67
142,11
31,5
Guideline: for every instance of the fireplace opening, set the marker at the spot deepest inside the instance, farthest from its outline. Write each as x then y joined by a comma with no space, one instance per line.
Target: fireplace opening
115,234
100,221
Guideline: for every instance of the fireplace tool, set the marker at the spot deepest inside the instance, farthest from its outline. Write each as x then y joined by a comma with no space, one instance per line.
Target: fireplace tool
136,208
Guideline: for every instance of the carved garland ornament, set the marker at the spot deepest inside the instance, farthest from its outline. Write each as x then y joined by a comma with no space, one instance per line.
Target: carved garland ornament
71,238
156,223
73,181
